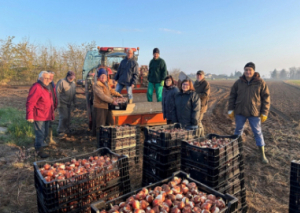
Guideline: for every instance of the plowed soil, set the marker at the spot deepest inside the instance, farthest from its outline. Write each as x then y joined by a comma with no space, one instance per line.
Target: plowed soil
267,186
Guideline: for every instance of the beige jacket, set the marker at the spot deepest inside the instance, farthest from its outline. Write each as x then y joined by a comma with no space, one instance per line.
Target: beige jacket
103,95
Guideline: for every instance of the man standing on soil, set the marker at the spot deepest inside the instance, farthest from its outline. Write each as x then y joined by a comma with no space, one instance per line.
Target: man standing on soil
39,110
156,76
66,95
202,88
52,89
250,99
127,74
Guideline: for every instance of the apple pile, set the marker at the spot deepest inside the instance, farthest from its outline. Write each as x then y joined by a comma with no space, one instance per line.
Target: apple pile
213,143
175,197
67,170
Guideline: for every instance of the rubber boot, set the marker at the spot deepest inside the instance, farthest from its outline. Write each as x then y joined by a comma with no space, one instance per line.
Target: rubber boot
42,153
130,101
51,141
262,154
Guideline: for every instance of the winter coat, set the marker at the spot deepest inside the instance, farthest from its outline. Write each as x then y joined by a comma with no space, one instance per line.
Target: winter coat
168,101
39,105
202,88
157,70
250,98
65,92
187,108
103,95
127,72
53,91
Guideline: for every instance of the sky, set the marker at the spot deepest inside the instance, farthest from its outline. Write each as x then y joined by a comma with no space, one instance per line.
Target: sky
217,36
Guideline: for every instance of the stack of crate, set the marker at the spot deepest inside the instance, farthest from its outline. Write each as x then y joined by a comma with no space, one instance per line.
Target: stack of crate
294,206
125,140
162,151
221,168
75,193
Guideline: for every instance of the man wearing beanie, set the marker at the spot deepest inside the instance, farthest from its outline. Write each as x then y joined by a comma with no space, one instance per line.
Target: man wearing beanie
250,100
127,74
66,95
102,97
156,76
202,88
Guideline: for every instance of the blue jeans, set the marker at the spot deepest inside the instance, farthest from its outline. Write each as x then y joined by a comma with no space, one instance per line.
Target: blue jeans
119,88
41,130
255,126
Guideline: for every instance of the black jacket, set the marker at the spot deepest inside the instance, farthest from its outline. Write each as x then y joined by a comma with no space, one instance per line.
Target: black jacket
187,108
168,101
127,72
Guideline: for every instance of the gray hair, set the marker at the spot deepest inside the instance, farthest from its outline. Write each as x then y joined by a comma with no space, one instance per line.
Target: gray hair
50,72
42,73
129,50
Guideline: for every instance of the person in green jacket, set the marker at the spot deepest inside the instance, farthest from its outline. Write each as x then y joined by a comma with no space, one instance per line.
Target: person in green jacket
156,76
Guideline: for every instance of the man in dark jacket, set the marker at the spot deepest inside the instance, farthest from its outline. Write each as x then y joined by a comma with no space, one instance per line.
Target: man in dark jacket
127,74
39,110
66,95
53,91
202,88
156,76
250,100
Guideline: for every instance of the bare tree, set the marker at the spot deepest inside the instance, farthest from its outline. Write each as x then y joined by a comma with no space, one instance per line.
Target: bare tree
175,73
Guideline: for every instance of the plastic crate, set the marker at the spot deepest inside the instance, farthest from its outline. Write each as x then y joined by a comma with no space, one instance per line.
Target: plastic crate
216,180
130,152
83,204
58,193
149,178
120,106
161,170
294,196
159,137
233,187
200,154
209,170
119,143
153,154
119,131
196,155
241,196
231,202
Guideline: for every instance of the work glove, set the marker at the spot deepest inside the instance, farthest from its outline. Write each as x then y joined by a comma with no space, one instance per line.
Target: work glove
162,83
263,118
231,114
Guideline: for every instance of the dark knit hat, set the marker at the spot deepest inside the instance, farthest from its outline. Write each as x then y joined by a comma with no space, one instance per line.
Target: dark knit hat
101,72
250,64
71,74
200,72
156,50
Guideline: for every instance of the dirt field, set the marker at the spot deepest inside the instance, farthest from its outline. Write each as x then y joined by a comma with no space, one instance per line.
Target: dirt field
267,185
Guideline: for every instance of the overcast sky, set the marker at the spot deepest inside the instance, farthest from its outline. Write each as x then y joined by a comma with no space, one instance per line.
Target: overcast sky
215,36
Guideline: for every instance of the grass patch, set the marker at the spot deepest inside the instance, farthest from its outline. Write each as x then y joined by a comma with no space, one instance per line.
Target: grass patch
19,131
293,82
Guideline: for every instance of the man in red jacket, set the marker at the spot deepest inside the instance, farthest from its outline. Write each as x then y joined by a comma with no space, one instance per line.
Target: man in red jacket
53,91
39,110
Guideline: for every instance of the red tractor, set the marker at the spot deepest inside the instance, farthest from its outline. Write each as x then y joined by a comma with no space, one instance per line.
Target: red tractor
140,112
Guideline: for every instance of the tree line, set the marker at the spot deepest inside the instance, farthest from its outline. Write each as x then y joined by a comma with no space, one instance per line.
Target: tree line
21,62
292,73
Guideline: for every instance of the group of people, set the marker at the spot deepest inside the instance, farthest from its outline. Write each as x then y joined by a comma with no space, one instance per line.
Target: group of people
43,99
184,103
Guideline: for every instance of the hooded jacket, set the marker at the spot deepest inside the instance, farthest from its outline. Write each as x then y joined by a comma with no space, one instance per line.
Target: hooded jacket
203,90
65,92
39,105
103,95
187,108
127,72
168,101
250,98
